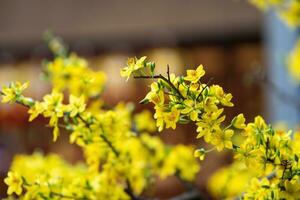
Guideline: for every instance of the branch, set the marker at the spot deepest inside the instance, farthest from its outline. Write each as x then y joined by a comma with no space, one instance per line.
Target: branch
164,79
190,195
168,72
207,84
191,190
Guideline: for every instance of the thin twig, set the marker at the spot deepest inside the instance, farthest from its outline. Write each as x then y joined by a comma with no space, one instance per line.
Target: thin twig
147,77
168,72
193,194
207,84
164,79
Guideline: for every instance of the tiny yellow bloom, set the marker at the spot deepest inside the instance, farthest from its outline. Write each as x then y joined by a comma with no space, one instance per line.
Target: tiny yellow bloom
156,95
192,108
223,139
194,75
171,118
12,92
200,153
239,122
159,116
35,110
14,182
76,106
144,121
133,64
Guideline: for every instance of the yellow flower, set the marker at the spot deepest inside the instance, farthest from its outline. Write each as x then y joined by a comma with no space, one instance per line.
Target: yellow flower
194,75
35,110
179,160
156,95
76,105
159,116
11,93
223,139
14,182
224,98
53,104
144,121
239,122
54,109
192,108
209,124
171,118
257,128
133,64
200,153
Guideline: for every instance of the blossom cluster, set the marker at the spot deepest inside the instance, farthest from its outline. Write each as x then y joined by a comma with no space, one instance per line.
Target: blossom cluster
266,160
121,158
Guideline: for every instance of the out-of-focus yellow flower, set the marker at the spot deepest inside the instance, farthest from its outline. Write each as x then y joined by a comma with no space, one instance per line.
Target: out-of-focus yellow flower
291,13
171,118
36,110
14,182
76,105
72,73
231,181
144,121
293,62
200,153
176,161
11,93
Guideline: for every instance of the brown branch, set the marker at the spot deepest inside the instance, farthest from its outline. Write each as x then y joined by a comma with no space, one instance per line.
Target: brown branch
147,77
207,84
164,79
190,195
168,72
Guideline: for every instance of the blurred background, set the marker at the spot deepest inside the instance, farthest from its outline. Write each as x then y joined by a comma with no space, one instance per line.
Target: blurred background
226,36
